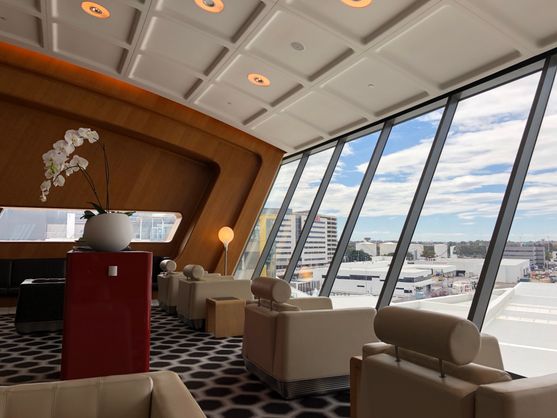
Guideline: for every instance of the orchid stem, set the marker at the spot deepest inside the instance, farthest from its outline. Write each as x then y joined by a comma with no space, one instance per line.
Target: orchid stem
106,176
89,181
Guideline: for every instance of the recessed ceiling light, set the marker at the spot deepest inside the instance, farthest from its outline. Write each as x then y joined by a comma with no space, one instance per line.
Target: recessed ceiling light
371,85
298,46
259,80
357,3
212,6
95,9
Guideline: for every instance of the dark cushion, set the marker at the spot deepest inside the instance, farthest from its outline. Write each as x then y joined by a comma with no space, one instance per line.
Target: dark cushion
5,273
36,268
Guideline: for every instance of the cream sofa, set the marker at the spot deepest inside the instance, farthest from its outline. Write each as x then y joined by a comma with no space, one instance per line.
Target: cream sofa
427,366
197,285
145,395
301,346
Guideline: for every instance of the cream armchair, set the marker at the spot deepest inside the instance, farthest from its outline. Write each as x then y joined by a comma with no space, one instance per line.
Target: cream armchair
301,346
197,285
145,395
427,360
168,286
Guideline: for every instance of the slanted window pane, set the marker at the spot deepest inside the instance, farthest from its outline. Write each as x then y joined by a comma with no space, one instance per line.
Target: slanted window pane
266,219
522,313
329,223
459,214
362,273
294,219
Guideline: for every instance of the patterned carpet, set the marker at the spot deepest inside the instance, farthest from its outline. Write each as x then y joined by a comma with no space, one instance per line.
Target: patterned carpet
211,368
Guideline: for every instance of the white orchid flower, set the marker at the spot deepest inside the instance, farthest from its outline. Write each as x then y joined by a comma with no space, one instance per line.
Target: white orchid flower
58,166
45,186
63,146
71,170
59,181
89,134
79,161
72,137
54,157
75,164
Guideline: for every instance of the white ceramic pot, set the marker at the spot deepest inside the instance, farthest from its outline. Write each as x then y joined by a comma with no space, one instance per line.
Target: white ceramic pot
108,232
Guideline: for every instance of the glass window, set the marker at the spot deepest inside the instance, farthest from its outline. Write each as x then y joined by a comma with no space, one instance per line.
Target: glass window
295,217
66,225
522,313
266,219
366,261
459,214
328,225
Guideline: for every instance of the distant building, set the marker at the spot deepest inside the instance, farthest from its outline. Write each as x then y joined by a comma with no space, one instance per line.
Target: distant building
534,253
367,247
387,248
510,270
319,247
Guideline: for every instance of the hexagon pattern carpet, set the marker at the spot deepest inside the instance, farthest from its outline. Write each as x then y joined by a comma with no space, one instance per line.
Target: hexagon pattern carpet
212,369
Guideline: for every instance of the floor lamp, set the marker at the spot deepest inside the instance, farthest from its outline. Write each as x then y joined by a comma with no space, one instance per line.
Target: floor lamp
226,235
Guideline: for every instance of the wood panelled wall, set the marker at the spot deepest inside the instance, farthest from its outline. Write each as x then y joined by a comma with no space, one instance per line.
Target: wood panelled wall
164,156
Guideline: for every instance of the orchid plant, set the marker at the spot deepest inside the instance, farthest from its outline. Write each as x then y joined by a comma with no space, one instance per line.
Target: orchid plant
58,165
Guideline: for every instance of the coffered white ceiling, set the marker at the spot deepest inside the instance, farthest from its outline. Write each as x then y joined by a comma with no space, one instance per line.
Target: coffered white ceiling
332,68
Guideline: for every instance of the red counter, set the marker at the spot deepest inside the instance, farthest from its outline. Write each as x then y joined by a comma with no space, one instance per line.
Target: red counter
106,316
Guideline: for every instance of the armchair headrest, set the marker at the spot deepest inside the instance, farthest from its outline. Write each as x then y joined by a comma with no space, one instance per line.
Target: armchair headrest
443,336
168,265
275,290
194,271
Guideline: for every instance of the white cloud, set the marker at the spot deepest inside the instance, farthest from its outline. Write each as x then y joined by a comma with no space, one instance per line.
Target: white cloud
472,174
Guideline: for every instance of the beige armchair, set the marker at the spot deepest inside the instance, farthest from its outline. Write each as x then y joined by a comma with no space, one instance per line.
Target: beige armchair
425,366
145,395
168,286
197,285
301,346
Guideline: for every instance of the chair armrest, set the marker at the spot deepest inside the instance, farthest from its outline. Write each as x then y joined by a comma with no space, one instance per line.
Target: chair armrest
312,303
355,375
533,398
374,348
319,343
171,398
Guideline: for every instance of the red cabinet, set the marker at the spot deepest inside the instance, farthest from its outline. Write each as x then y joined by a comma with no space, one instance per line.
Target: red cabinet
107,307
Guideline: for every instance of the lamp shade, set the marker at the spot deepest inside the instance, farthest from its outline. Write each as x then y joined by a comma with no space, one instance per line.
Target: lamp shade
226,234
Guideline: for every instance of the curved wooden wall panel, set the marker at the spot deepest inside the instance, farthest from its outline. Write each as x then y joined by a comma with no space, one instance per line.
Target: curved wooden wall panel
168,157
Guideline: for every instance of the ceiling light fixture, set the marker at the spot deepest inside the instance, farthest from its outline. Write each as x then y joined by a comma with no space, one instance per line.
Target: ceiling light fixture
95,10
357,3
259,80
211,6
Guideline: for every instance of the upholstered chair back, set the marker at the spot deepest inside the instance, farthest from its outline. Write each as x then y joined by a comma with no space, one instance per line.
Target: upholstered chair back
429,357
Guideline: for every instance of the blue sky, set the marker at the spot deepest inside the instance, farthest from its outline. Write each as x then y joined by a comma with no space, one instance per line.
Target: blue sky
468,185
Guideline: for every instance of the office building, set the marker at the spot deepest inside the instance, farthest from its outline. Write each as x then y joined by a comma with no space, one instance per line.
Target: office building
534,253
